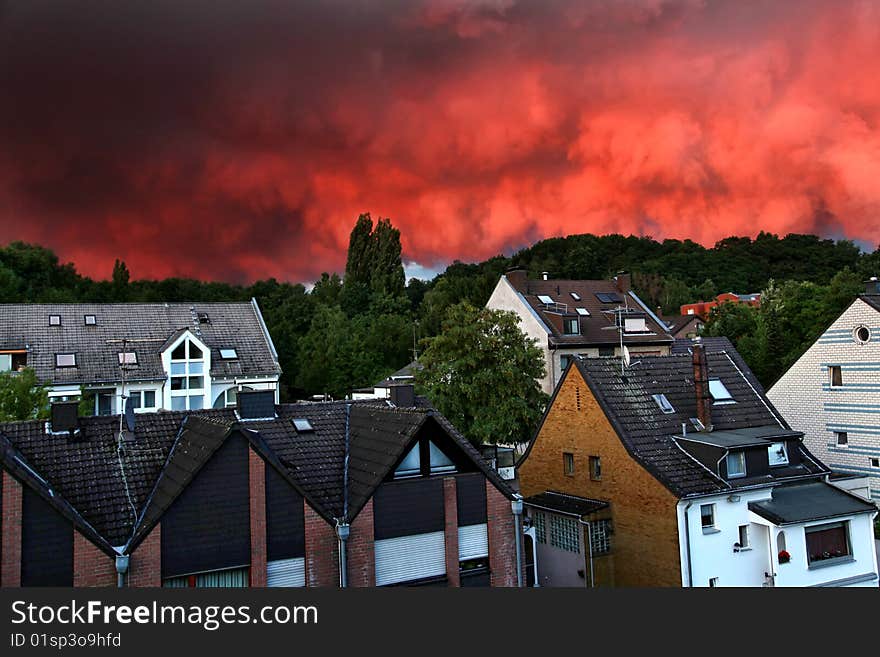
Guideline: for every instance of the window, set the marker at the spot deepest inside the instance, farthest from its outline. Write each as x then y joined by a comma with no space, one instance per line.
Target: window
65,360
862,334
564,533
187,377
540,526
841,437
777,454
233,578
143,398
595,468
13,361
572,326
543,298
229,397
228,354
568,463
302,424
564,360
826,542
607,297
736,464
583,312
605,352
743,537
663,403
719,392
600,536
875,463
575,296
439,461
634,325
128,358
690,311
5,362
835,377
89,320
713,581
54,320
707,516
411,465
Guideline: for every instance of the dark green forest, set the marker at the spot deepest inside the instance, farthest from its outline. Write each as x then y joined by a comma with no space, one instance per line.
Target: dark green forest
351,330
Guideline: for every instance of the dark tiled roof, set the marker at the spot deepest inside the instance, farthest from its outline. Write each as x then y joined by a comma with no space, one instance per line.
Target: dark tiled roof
720,344
872,300
599,327
169,448
147,326
566,504
649,434
810,501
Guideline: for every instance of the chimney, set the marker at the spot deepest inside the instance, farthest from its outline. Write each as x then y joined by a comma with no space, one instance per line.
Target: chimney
64,417
517,276
701,386
623,281
403,395
545,275
256,405
872,286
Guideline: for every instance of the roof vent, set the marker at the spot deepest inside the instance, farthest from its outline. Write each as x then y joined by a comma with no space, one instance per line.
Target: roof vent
403,395
545,275
64,417
256,405
203,318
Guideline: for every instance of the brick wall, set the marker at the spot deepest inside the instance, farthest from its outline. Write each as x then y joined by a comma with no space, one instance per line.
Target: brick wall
145,566
91,567
257,473
361,551
502,540
322,551
450,510
645,541
10,569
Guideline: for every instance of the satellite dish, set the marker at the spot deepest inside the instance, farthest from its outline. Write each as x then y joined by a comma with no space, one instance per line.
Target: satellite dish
129,414
626,358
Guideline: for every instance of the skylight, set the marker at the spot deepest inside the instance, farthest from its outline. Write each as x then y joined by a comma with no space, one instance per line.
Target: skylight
543,298
302,424
128,358
89,320
54,320
608,297
575,296
719,393
65,360
663,403
583,312
228,354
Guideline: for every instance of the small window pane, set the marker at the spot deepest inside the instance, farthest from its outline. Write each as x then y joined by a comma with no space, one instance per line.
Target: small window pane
543,298
196,382
54,320
194,352
707,515
228,354
178,368
179,352
196,368
177,382
568,463
411,465
595,468
5,362
842,437
128,358
718,391
196,402
65,360
149,399
736,464
583,312
178,403
777,454
836,376
135,398
89,320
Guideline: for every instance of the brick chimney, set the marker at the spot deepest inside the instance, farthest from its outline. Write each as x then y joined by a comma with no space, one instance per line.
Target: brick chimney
623,282
872,286
517,276
701,386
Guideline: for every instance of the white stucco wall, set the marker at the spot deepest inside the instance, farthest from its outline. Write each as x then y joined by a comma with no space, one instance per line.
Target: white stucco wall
809,404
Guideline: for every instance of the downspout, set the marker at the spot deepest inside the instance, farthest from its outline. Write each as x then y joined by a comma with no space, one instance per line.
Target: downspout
687,544
122,561
589,527
343,529
516,505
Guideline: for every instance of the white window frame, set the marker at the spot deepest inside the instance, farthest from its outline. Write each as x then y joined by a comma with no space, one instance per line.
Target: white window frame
128,357
775,448
192,367
831,369
711,526
744,538
719,392
59,356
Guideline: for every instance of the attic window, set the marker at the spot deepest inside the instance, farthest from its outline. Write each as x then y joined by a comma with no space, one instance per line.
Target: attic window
608,297
228,354
575,296
54,320
543,298
65,360
719,393
736,464
89,320
583,312
128,358
635,325
572,326
411,465
203,318
302,424
663,403
777,454
439,461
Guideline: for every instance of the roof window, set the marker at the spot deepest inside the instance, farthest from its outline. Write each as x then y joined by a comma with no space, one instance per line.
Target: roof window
228,354
128,358
302,424
719,393
54,320
65,360
583,312
543,298
663,403
575,296
89,320
608,297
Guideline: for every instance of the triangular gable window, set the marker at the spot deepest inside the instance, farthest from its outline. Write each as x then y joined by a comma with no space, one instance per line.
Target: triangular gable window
439,461
411,466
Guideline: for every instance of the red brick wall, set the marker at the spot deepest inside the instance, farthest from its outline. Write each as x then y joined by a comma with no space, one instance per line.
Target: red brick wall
10,569
145,566
450,510
257,473
322,552
361,553
502,540
91,567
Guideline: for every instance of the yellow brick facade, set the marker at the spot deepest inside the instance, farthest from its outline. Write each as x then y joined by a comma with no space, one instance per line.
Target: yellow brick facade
645,549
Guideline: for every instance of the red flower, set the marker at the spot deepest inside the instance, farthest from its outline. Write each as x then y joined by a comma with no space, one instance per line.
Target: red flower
784,556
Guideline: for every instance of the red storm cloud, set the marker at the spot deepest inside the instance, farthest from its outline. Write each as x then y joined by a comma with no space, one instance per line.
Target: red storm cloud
237,141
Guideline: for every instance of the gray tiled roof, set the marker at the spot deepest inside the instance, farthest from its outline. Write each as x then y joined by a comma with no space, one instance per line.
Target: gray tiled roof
148,327
648,433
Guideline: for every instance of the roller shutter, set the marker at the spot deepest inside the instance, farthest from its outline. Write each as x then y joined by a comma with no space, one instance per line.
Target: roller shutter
473,542
286,572
46,543
409,558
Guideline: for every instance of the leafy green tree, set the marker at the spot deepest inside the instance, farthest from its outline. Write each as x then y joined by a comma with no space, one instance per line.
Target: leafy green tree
22,397
481,371
374,266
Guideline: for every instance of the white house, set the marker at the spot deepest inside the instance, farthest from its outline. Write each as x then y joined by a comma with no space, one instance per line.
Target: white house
832,393
172,356
567,318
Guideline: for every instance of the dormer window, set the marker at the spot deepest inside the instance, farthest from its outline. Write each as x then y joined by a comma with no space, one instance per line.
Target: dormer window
228,354
663,403
89,320
634,325
413,465
777,454
571,326
736,464
65,360
128,358
187,377
720,393
54,320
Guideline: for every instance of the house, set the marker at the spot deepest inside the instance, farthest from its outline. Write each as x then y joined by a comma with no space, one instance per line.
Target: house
678,471
588,318
404,377
684,326
831,392
702,308
172,356
310,494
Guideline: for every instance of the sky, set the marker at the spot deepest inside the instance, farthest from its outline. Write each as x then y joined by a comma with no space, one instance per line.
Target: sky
238,141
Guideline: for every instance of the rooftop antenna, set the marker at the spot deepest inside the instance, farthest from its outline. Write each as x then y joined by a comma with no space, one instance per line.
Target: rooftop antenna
624,352
123,417
415,347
